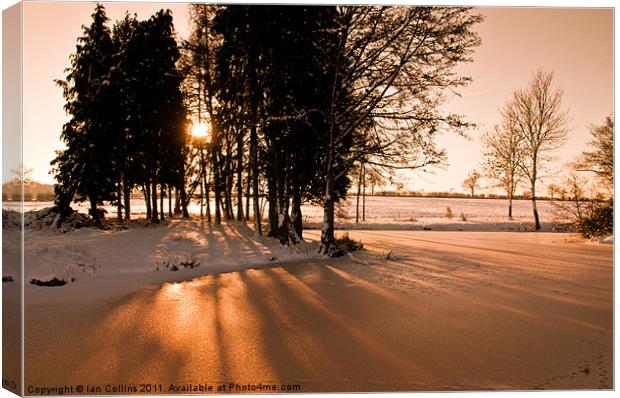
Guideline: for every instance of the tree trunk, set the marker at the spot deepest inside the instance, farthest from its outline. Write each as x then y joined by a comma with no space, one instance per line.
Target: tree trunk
240,216
154,213
248,186
162,192
207,185
510,207
202,203
255,192
284,184
255,96
184,201
357,196
170,202
327,232
578,206
534,208
127,200
228,183
119,200
296,216
177,201
94,212
217,187
147,198
363,193
272,199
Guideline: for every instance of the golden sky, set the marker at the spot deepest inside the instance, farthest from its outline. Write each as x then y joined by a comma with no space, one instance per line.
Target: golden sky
576,43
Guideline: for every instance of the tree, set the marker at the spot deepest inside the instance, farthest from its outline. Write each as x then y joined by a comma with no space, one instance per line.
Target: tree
156,126
125,142
472,182
600,158
127,125
388,69
271,86
83,170
537,114
504,153
553,190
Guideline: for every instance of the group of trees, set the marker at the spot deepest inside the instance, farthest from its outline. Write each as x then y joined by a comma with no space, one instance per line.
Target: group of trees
296,99
533,126
532,129
127,125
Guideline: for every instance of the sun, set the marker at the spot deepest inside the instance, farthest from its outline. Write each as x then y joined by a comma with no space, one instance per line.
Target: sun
199,130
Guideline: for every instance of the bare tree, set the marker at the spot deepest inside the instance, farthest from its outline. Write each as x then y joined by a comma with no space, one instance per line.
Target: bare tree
390,68
22,175
538,115
553,190
472,182
600,159
575,200
503,153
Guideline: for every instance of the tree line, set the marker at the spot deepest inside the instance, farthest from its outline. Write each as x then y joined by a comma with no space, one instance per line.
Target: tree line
298,101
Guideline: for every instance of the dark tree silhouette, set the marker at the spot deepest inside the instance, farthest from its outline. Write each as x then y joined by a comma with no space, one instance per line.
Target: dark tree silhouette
295,97
84,170
389,67
127,125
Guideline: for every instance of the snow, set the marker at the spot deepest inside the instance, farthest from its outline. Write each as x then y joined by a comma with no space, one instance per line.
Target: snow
101,263
104,263
406,213
411,213
607,240
444,311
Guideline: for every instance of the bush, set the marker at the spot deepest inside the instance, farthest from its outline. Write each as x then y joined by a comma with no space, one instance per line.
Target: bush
600,222
51,283
344,245
463,217
448,213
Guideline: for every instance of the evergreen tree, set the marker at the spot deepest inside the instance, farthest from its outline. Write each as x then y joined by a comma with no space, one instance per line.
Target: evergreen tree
83,170
123,75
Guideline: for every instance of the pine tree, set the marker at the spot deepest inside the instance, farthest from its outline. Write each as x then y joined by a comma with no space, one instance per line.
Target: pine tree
83,170
123,74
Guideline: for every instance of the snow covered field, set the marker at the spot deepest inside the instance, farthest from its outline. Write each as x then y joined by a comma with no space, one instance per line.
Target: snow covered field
117,261
96,263
417,311
405,213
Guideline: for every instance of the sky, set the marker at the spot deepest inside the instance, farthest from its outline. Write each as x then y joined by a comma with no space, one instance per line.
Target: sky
577,44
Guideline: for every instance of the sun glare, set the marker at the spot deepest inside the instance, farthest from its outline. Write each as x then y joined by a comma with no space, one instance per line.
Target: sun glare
199,130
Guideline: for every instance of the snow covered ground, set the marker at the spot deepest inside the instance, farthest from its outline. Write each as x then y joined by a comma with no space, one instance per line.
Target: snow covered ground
417,311
407,213
98,263
93,262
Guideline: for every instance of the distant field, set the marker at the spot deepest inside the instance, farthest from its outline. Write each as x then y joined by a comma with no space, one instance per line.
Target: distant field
394,211
408,209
